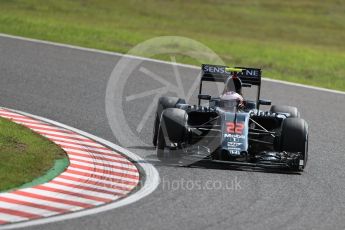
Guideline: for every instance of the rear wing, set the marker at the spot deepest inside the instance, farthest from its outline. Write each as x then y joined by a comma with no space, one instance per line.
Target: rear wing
218,73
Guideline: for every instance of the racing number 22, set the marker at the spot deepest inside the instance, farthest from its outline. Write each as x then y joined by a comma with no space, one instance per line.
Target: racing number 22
232,127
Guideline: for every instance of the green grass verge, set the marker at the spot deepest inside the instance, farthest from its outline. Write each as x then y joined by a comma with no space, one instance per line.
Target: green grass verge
298,40
27,158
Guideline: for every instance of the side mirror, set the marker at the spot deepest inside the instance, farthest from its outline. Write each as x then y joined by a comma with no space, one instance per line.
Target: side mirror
264,102
204,97
246,85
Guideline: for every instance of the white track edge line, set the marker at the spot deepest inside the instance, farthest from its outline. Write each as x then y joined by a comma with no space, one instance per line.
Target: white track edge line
75,47
151,180
111,53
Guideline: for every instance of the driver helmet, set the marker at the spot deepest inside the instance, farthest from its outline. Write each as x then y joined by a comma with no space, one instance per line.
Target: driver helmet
232,94
231,99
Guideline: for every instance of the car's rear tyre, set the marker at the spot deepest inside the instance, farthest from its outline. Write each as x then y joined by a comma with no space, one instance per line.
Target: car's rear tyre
172,129
163,103
293,111
294,137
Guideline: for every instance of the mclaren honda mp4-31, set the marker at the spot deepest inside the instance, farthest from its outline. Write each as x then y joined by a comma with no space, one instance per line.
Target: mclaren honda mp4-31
229,128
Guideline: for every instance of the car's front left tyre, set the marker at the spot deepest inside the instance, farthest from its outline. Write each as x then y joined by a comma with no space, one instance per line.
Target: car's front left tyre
294,137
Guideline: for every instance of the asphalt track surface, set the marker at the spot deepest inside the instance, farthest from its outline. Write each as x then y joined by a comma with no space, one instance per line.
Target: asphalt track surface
42,79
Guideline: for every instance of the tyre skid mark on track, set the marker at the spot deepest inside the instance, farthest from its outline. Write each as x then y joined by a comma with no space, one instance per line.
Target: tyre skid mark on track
97,175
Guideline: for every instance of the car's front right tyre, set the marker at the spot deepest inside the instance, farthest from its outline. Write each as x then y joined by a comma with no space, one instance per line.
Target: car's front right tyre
163,103
172,130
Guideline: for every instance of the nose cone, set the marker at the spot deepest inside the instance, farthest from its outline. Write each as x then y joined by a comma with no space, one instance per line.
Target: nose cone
235,134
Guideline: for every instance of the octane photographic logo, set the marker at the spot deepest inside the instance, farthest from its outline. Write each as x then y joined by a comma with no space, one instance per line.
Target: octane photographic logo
136,84
182,184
